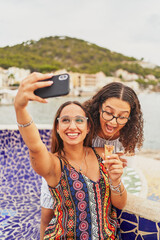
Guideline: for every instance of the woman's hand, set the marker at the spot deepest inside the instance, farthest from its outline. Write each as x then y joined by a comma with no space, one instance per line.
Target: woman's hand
28,86
114,166
122,158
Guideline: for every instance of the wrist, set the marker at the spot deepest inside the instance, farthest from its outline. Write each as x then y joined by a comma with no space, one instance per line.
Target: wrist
26,124
18,107
115,182
116,187
20,104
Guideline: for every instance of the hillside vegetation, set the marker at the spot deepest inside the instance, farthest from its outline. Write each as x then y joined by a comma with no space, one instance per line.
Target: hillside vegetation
53,53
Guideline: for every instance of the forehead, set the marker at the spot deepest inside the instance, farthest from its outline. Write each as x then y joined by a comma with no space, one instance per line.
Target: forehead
117,104
72,110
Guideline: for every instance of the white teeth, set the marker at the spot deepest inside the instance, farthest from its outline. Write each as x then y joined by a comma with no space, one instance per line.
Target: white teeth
72,134
109,129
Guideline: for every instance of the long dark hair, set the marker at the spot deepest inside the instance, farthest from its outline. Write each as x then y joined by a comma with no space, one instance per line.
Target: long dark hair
57,142
131,135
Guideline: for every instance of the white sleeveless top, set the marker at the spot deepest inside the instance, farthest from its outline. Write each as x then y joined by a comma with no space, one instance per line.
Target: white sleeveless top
99,142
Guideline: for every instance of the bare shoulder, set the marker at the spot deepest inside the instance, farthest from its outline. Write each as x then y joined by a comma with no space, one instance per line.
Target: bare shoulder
100,151
53,156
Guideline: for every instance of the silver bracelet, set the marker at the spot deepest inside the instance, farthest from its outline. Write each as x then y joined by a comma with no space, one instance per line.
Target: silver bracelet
25,125
115,188
120,193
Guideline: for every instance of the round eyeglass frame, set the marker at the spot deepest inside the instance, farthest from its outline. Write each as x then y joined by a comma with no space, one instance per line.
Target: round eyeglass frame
114,117
72,119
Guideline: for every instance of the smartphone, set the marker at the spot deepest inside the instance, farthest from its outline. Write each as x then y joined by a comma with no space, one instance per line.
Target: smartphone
60,87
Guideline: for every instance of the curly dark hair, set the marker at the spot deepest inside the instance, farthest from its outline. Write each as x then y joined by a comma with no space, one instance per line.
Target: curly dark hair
131,135
57,142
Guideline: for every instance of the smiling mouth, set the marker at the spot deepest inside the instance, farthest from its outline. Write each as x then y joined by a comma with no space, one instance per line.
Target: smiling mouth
110,129
72,134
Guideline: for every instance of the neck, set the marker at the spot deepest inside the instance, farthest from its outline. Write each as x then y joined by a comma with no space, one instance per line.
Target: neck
77,158
74,153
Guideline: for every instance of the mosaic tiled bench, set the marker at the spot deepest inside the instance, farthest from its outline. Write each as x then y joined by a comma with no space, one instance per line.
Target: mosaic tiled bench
20,195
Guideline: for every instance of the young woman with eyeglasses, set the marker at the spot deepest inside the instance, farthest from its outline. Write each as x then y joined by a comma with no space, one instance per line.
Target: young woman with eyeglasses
118,121
83,191
117,117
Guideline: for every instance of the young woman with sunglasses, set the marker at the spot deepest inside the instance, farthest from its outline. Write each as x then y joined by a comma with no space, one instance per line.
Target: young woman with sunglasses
83,191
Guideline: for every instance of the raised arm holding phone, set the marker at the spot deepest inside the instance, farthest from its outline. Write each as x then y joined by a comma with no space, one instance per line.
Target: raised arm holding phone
83,190
118,121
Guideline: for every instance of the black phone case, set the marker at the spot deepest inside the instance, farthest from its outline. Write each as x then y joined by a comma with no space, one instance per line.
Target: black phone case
60,87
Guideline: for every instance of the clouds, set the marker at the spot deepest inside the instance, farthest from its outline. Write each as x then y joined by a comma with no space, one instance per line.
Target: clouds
129,27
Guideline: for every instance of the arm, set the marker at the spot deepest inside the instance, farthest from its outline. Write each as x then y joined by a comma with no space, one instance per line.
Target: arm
42,161
114,167
118,199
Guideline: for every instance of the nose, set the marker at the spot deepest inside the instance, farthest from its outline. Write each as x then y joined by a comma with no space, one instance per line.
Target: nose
114,120
72,124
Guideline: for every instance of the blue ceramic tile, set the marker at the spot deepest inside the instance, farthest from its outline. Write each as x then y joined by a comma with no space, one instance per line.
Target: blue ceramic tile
153,197
128,236
17,184
118,212
150,237
9,238
139,238
2,236
128,216
126,226
147,225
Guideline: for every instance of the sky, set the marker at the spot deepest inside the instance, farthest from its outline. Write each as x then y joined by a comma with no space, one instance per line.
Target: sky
130,27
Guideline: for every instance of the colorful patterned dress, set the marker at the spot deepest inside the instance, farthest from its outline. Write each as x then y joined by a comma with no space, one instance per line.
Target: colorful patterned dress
82,207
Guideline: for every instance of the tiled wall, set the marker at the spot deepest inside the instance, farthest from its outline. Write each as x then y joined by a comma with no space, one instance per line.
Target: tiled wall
20,196
135,227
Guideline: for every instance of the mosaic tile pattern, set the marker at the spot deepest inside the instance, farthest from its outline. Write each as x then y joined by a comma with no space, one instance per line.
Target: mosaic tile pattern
137,228
19,189
153,188
131,181
20,194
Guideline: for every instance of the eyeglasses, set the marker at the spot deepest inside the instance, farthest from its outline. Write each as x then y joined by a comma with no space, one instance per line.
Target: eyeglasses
78,120
109,117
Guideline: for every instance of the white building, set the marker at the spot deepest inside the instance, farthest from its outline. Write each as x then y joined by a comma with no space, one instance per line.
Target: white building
15,74
134,85
151,77
147,64
125,75
12,75
2,76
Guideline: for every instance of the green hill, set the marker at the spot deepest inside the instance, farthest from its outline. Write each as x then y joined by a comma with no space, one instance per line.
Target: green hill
53,53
